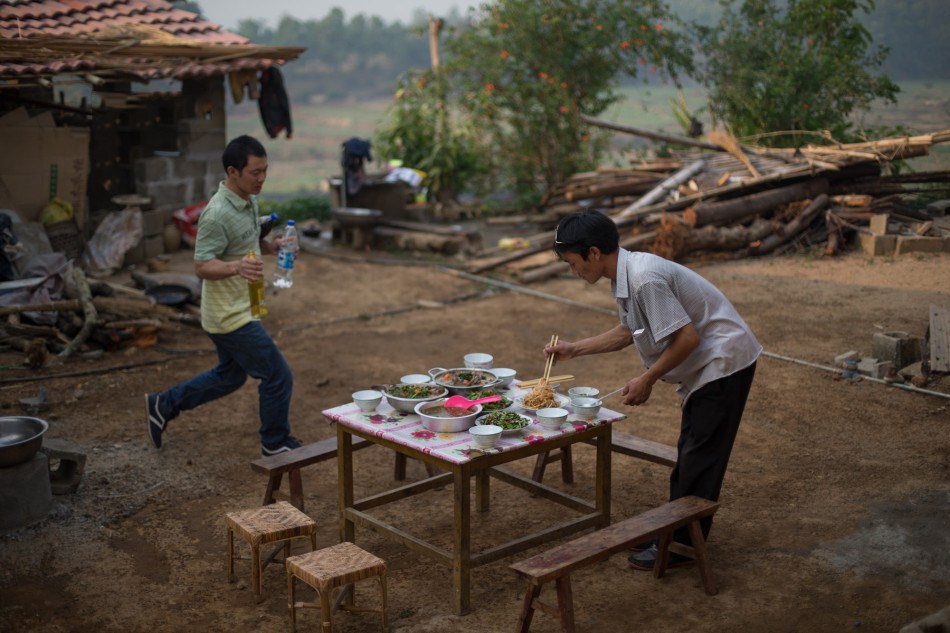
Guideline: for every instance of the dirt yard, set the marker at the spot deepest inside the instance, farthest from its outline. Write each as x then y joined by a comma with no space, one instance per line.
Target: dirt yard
834,511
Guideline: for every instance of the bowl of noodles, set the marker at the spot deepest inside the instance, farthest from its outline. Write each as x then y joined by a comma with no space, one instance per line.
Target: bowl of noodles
542,397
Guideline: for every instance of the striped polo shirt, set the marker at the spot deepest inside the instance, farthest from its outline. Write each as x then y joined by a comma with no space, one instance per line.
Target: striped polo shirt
227,230
656,297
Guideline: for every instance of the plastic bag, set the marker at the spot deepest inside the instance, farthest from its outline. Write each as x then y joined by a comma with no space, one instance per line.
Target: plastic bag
56,210
118,233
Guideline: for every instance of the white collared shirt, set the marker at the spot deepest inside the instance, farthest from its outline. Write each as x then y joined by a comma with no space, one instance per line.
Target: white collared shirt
656,297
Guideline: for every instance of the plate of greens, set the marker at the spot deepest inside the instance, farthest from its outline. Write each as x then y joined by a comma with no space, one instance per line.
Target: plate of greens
511,423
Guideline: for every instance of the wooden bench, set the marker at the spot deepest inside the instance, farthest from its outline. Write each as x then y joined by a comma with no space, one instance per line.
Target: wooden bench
557,563
622,443
291,462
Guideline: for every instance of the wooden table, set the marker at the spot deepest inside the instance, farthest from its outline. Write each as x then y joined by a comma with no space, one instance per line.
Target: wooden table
456,454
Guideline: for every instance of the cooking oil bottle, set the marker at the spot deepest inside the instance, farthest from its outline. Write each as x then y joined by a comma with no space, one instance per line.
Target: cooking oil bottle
256,290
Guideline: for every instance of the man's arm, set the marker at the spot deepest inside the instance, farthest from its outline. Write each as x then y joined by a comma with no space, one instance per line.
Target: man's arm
250,269
685,340
609,341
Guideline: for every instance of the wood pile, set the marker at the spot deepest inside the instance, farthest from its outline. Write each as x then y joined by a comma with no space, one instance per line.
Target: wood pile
94,316
717,195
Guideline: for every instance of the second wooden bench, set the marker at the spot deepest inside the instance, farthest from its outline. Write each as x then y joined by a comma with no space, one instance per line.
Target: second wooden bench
622,443
557,563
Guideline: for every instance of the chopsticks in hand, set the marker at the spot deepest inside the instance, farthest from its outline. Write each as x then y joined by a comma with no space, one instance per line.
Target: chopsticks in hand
549,361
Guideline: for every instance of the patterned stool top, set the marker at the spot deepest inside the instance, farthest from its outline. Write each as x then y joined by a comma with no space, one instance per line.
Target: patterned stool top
267,524
341,564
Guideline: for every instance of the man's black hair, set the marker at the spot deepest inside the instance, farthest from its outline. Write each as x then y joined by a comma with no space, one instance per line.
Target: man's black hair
237,152
578,232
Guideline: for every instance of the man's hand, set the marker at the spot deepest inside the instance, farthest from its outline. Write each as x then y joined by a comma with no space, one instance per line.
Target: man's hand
250,269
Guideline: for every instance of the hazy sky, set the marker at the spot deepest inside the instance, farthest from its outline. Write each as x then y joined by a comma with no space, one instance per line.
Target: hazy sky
228,13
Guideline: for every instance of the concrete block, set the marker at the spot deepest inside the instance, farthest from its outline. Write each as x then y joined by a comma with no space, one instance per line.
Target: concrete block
153,222
152,169
878,224
25,494
900,348
873,367
920,244
154,245
938,209
170,193
878,245
70,463
135,255
842,358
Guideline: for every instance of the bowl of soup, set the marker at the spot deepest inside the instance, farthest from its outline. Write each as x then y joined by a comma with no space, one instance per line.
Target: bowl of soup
441,419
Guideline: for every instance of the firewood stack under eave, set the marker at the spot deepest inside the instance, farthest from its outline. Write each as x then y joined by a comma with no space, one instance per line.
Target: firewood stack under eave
91,319
748,202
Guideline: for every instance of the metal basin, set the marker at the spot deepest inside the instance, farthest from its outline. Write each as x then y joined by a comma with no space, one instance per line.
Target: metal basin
353,217
20,438
484,380
439,424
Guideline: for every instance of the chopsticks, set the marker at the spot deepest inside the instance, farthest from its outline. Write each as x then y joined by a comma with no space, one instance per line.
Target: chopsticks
552,380
549,361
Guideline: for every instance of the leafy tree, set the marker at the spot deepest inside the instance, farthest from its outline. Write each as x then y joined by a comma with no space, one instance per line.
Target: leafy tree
797,65
523,72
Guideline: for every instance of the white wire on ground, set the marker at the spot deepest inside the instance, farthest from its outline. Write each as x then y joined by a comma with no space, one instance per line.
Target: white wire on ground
542,295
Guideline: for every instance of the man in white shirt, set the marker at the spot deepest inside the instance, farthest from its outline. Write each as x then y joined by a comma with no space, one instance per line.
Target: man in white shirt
686,332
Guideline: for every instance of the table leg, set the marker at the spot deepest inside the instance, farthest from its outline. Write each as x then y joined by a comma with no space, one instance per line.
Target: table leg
482,491
603,473
461,548
344,460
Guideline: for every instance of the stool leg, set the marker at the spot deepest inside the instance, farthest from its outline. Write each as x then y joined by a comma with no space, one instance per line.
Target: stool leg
230,554
325,611
256,572
291,600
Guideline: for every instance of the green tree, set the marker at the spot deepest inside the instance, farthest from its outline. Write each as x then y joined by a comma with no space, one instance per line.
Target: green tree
789,66
523,72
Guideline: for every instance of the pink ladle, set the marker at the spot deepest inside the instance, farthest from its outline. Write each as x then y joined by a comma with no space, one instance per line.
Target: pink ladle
464,403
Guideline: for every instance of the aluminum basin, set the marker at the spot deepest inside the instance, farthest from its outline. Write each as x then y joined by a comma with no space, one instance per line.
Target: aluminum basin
20,438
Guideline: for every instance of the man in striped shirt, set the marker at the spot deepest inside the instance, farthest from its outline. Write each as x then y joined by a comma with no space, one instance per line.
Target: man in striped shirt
687,333
228,230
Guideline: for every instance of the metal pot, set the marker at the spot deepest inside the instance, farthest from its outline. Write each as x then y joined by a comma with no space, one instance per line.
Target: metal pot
446,425
488,380
20,438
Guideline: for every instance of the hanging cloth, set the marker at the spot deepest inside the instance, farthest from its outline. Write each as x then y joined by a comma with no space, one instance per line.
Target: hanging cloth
355,151
274,104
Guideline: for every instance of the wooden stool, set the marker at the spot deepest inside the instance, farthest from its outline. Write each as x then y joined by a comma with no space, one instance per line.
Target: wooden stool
278,522
337,566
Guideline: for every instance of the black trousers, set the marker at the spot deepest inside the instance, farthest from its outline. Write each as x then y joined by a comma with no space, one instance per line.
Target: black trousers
708,430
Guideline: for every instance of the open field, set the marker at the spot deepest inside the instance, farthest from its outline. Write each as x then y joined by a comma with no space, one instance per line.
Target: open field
302,164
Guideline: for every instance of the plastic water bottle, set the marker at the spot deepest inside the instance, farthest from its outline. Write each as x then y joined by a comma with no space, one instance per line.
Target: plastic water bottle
284,277
256,290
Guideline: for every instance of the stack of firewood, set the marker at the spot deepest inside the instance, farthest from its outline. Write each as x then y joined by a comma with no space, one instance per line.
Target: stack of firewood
94,316
722,196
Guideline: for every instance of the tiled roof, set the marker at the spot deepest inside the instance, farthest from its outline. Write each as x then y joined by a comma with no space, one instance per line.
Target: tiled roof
35,37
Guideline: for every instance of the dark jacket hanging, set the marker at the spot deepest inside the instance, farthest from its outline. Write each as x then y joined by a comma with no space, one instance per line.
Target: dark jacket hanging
274,104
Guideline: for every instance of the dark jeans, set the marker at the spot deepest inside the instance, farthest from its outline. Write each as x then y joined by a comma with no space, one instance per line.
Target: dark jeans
247,351
708,430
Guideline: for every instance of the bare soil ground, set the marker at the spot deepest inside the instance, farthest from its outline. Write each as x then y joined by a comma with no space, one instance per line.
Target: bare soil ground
834,510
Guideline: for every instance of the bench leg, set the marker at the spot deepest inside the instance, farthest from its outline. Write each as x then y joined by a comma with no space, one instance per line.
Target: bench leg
702,557
296,489
565,603
662,555
527,608
273,485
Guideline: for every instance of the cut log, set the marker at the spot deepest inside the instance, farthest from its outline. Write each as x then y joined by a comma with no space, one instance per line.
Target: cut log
676,238
747,207
793,228
90,316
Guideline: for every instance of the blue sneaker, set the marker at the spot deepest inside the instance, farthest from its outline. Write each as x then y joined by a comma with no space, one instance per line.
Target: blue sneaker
285,446
153,416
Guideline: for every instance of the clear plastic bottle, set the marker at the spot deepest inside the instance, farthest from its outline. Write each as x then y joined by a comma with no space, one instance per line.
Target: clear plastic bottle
256,290
284,277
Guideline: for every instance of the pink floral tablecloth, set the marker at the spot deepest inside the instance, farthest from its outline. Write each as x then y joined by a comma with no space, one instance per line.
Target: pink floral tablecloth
407,429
